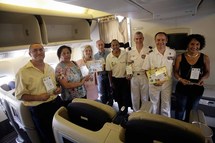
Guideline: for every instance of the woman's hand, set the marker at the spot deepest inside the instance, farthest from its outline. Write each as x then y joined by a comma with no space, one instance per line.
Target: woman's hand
184,81
87,77
201,82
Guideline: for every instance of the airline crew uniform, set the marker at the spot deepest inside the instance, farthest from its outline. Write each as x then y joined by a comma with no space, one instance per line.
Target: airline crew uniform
121,87
139,81
160,96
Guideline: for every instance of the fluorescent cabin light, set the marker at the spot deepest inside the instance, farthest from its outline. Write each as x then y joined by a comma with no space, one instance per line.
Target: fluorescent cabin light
47,4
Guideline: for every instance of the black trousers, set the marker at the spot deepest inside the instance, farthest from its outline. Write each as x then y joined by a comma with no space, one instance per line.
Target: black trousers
121,92
104,88
42,116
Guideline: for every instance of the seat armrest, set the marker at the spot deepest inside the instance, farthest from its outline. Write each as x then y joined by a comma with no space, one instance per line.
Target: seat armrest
146,107
197,116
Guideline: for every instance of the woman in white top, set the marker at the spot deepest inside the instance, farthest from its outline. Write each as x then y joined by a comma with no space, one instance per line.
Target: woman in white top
91,84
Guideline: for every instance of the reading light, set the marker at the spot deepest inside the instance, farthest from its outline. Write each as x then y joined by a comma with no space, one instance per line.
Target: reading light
47,4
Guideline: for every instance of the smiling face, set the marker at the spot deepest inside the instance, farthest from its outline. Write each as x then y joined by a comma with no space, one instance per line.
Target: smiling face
100,45
37,52
115,46
160,40
193,46
138,38
88,52
65,55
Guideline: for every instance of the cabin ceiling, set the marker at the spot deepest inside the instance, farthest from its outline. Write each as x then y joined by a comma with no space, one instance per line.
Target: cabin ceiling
145,9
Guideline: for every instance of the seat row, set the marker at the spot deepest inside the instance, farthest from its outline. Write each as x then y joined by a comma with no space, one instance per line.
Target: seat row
89,121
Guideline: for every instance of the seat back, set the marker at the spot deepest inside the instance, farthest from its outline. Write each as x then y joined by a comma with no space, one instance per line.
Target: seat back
19,116
106,108
87,116
76,126
146,127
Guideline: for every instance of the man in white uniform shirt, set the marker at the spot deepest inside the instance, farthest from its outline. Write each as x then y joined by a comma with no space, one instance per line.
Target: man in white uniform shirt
139,81
160,92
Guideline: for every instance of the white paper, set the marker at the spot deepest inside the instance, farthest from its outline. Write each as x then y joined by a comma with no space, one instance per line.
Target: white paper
129,70
95,66
84,70
48,84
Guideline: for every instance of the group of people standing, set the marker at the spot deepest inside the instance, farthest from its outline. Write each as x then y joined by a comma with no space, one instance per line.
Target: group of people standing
190,68
123,78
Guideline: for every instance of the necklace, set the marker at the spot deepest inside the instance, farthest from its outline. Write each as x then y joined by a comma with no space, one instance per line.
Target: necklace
192,56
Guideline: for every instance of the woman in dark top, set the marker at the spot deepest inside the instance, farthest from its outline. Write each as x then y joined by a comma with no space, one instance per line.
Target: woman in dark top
191,69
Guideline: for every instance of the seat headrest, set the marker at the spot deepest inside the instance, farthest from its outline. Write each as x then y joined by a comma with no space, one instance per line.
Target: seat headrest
5,87
149,127
87,116
108,109
11,84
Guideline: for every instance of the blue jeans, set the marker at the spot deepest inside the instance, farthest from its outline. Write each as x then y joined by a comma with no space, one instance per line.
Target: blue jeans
185,103
104,88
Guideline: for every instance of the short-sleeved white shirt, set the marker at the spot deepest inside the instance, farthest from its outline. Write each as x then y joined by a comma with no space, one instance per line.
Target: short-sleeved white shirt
136,59
155,60
117,65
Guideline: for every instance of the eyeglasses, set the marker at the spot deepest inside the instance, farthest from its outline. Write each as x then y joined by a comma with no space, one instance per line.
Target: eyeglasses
38,50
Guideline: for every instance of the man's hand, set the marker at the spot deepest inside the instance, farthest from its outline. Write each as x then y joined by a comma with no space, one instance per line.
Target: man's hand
44,96
57,90
159,83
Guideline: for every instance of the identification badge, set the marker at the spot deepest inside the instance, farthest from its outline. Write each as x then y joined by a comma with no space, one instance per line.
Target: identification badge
48,84
195,72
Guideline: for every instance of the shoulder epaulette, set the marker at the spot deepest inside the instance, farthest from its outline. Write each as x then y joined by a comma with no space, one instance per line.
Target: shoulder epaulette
151,49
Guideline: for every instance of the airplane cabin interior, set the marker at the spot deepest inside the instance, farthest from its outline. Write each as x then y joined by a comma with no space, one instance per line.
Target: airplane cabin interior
54,23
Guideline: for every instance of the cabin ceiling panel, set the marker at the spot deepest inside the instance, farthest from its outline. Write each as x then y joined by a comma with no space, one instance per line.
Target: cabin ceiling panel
145,9
169,8
118,7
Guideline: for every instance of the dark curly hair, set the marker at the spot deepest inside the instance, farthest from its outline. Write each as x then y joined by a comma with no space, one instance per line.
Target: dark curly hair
198,37
59,51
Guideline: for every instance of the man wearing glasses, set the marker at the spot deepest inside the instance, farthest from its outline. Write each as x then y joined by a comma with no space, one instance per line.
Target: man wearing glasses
36,87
